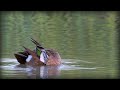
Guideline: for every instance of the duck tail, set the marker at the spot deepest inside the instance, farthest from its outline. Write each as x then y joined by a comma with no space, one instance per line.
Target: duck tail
29,51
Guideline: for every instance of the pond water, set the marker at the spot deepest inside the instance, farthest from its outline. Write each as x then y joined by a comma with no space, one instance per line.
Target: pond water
87,42
69,69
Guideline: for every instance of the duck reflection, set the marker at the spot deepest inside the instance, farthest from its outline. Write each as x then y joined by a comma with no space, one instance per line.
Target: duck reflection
45,72
41,72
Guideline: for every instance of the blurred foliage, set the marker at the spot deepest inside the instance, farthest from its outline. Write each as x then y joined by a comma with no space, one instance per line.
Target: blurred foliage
75,34
85,35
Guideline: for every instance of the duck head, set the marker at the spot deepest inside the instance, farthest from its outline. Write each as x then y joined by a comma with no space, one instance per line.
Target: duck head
50,56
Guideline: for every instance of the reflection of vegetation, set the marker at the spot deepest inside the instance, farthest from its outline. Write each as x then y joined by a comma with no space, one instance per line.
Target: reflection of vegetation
90,36
83,35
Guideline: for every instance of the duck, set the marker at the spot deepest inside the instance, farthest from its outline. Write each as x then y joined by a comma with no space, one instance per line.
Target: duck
39,56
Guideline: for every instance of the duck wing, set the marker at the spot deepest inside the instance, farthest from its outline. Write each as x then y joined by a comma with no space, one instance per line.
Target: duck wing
34,55
20,58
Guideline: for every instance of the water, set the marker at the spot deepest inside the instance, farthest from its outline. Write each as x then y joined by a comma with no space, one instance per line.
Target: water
87,42
69,69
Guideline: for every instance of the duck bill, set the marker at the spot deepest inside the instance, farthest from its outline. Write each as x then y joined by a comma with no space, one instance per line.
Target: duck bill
35,42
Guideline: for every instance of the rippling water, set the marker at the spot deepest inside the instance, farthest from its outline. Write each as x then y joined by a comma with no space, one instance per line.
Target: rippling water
87,42
69,69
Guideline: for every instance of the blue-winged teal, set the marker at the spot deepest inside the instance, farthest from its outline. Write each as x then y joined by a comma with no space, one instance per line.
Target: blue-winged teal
39,56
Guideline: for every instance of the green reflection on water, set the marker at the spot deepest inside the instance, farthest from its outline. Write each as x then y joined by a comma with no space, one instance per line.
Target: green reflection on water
89,36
